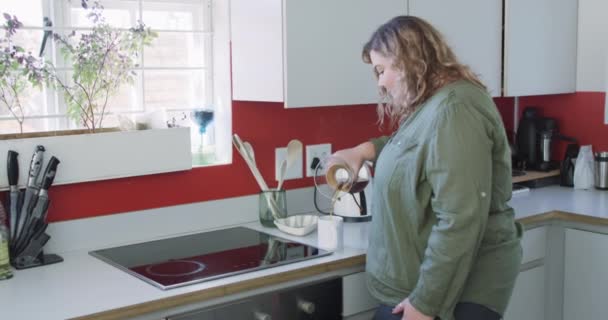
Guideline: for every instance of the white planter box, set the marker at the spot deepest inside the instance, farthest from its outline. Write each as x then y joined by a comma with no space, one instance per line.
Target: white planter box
100,156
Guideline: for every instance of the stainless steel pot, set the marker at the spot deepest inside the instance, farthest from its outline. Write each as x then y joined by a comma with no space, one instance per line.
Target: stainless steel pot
601,170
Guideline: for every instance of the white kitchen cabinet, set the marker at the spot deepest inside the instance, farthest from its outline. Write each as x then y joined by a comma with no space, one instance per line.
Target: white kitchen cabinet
473,29
306,53
528,299
534,244
357,302
592,45
257,44
540,47
585,275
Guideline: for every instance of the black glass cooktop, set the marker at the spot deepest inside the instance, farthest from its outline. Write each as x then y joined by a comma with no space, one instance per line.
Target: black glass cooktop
184,260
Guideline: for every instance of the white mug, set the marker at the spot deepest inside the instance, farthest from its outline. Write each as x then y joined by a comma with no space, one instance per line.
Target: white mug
330,232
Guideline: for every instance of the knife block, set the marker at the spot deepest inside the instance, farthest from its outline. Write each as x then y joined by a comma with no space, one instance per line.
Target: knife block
26,262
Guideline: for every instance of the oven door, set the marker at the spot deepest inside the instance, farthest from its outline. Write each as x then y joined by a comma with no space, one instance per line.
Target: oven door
321,300
317,301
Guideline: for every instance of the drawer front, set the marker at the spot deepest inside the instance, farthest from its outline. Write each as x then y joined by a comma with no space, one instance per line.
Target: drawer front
534,243
355,295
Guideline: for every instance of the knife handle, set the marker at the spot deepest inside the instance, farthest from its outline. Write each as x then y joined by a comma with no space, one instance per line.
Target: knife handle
49,174
35,165
12,167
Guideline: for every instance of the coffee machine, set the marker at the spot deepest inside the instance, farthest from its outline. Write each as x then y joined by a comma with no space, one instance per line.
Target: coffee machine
534,141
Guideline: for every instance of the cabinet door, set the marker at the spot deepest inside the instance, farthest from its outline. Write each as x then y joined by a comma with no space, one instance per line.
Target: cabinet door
585,275
356,296
257,50
528,299
540,47
323,43
592,55
473,29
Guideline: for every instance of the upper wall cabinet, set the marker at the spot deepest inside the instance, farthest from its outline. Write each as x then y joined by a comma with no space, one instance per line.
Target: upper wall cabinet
473,29
592,46
306,53
540,47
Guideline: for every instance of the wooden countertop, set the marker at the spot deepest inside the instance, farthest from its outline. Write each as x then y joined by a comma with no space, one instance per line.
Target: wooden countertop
533,175
563,216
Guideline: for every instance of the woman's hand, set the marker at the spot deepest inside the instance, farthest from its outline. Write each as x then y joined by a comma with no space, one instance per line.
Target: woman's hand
355,157
409,312
351,157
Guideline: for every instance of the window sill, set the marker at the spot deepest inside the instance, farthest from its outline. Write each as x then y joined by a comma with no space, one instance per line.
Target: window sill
107,155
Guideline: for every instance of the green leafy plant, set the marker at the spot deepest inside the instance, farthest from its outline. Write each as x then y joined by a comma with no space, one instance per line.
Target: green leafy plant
19,70
103,59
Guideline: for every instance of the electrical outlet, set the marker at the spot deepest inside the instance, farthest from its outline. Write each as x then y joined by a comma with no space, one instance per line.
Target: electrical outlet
320,151
294,172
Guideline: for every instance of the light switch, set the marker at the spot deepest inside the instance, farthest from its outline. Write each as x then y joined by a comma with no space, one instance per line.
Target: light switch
294,172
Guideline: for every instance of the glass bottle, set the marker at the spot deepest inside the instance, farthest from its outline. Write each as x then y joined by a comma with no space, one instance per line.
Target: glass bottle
339,176
5,267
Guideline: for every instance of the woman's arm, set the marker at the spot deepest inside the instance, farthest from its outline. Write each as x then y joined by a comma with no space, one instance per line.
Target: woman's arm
366,151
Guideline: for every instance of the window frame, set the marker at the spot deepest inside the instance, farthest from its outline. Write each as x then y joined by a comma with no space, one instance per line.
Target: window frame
59,12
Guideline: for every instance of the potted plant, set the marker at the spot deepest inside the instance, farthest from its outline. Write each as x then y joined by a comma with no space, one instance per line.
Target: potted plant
19,71
102,59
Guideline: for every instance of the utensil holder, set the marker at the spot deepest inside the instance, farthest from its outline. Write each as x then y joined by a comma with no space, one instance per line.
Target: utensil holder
26,262
272,205
33,255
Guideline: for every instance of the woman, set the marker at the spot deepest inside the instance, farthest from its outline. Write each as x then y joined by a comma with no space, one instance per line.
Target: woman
444,243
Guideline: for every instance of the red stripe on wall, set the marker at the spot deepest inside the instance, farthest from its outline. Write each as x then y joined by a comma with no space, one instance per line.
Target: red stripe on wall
266,125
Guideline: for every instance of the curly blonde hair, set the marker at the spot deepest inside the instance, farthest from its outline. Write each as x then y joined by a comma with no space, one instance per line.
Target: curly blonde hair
425,60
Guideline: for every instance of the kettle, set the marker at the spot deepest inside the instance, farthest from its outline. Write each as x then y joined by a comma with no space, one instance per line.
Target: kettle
346,188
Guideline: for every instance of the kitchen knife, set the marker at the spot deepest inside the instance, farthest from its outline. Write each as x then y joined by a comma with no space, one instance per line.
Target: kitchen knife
38,214
31,191
13,178
28,255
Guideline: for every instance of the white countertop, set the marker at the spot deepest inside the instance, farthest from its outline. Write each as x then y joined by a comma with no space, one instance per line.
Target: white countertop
83,285
584,202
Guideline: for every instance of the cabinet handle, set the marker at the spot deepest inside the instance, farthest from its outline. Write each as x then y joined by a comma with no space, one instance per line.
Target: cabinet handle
261,316
306,306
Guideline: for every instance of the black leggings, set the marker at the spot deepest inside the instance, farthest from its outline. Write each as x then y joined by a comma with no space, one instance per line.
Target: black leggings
463,311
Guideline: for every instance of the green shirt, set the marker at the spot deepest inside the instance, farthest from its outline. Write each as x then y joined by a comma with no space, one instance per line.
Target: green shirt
442,231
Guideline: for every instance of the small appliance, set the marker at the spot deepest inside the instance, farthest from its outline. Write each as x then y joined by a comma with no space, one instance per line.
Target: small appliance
335,180
535,138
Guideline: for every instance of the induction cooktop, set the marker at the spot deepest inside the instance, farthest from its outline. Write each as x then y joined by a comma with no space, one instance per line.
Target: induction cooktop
180,261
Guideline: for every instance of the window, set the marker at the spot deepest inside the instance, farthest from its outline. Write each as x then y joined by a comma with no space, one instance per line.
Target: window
174,77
